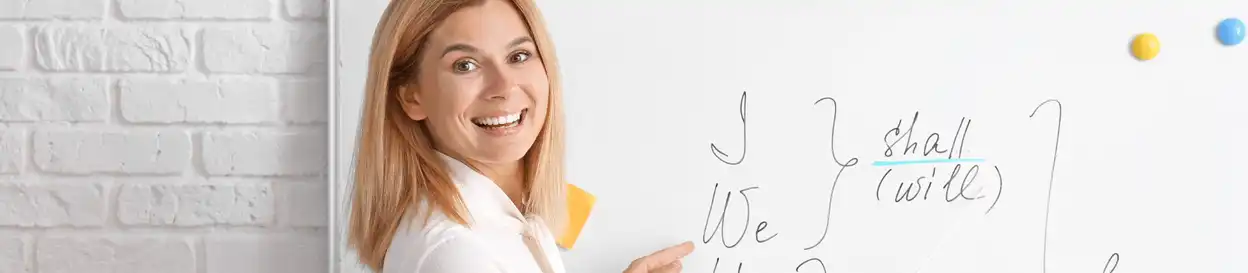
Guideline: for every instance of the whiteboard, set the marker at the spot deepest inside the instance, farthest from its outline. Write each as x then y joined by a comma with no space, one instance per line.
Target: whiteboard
892,135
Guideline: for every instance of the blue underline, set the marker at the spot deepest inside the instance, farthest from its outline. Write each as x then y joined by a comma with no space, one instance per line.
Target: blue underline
925,161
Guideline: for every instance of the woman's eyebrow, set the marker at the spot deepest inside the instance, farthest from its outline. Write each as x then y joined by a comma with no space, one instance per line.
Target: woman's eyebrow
520,40
470,49
458,47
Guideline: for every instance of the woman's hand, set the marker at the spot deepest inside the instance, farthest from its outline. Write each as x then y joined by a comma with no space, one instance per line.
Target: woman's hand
666,260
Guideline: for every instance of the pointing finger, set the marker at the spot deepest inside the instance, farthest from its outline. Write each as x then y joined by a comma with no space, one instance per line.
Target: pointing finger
669,255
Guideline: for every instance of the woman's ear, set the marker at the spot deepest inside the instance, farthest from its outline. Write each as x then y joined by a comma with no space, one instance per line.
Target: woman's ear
411,102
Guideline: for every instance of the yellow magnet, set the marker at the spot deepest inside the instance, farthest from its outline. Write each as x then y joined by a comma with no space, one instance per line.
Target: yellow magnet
580,203
1145,46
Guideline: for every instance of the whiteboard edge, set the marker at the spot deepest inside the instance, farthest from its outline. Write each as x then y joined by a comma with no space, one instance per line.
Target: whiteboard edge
332,145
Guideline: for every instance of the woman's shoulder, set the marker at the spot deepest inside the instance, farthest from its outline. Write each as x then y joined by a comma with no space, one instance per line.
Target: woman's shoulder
457,254
419,243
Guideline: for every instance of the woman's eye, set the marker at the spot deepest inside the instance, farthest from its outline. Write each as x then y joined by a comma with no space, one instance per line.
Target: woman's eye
464,66
519,57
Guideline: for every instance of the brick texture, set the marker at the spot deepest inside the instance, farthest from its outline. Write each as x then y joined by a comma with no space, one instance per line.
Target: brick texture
195,205
264,153
305,10
13,252
265,253
53,9
80,204
194,101
172,136
54,99
12,150
136,254
264,49
116,151
93,48
12,47
194,9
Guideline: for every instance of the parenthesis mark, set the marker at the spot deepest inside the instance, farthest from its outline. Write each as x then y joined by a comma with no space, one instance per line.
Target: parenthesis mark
723,157
1000,188
1052,169
881,184
1113,260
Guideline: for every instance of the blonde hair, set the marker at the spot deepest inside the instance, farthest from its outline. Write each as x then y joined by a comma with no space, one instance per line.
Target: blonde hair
396,166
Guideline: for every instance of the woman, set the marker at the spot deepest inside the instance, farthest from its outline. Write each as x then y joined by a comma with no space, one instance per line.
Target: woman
460,161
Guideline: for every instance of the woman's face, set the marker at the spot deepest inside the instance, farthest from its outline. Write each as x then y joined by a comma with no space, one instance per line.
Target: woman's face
482,87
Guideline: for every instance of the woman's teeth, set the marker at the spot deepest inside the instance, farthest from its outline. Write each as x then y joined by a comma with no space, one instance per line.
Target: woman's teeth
499,121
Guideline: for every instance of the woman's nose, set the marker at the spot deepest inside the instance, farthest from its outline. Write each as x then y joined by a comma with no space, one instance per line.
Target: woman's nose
501,85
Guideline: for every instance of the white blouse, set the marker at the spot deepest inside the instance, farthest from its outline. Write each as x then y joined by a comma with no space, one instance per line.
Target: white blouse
500,240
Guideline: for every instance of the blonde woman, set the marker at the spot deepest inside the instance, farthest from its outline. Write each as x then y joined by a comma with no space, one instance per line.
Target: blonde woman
460,160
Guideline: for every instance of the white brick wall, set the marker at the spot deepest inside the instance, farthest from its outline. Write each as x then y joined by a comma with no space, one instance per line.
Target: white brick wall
52,9
195,9
125,48
264,49
11,53
173,136
115,253
50,203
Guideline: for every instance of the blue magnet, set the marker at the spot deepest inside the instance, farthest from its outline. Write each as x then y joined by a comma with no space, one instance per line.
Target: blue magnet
1231,31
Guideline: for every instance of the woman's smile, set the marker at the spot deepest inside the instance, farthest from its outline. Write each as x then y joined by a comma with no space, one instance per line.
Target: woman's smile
502,123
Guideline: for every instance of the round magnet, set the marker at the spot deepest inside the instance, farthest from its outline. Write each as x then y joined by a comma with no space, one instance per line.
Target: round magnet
1231,31
1145,46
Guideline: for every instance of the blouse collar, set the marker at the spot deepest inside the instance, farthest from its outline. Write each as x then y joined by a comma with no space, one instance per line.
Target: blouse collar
487,198
488,205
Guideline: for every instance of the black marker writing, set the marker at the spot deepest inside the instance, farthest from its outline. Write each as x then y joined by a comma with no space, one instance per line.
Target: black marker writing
897,197
759,237
960,182
931,145
723,156
1000,189
881,184
761,226
1001,186
958,186
716,268
966,130
719,225
1052,169
822,268
832,149
832,136
896,131
1111,264
967,179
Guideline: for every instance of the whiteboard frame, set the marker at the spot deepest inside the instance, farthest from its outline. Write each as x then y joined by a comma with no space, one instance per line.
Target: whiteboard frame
332,145
338,182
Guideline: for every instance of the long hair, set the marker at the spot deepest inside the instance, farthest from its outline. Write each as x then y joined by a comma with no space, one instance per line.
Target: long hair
396,166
